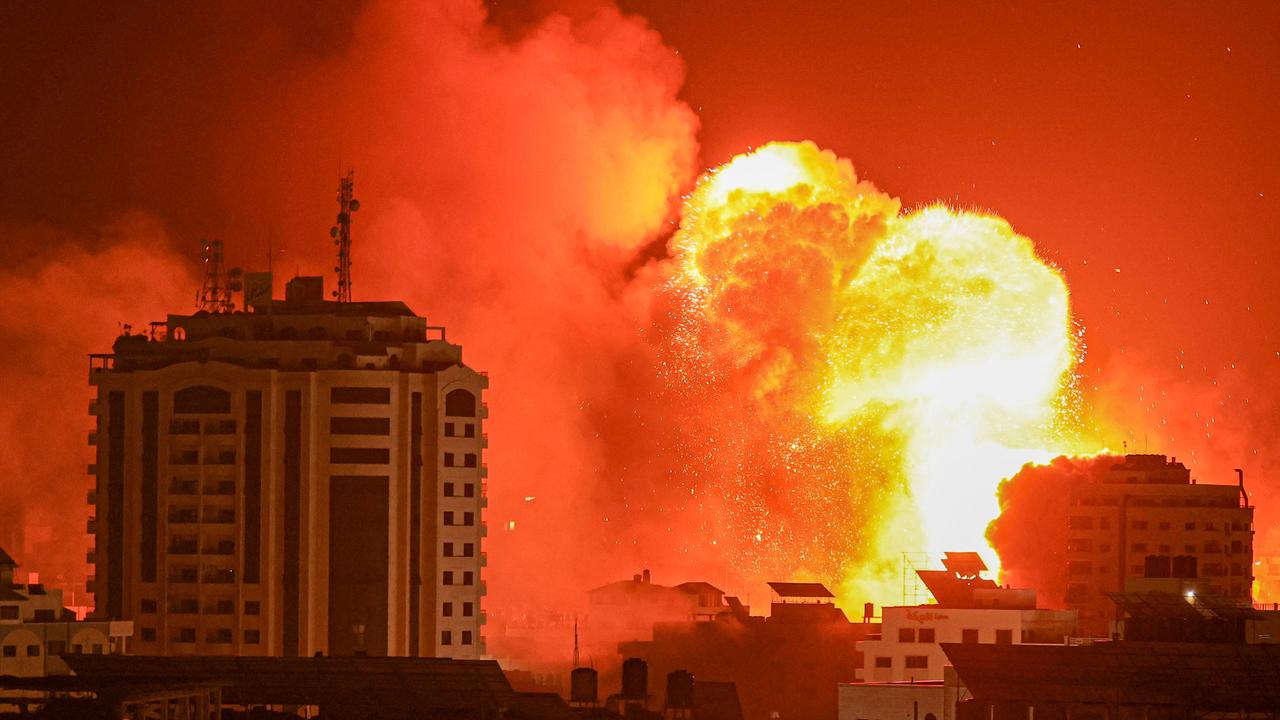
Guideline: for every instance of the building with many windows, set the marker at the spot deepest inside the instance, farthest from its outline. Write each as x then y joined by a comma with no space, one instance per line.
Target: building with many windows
1148,519
304,477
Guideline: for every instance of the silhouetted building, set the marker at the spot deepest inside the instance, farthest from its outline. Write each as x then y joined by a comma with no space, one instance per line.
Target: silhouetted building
787,665
628,610
304,478
1149,519
969,609
36,630
1176,657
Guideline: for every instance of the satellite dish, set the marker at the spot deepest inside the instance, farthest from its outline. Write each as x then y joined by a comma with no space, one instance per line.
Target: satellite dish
355,205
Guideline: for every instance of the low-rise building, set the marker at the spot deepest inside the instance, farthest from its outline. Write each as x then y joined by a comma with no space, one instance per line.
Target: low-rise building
36,630
969,609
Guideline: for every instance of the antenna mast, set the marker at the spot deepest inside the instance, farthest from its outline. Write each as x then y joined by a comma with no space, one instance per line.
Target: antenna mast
219,283
577,659
341,234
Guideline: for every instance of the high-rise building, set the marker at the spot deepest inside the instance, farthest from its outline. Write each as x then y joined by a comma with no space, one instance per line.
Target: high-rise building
303,477
1148,520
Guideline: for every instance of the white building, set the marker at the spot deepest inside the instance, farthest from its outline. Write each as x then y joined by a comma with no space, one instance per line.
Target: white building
931,700
36,630
970,609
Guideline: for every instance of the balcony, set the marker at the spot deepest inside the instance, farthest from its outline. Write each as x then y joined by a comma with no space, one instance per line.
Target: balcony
183,547
91,584
220,427
484,559
183,487
221,547
220,487
484,618
182,516
184,427
182,575
91,527
219,576
91,497
484,440
219,516
220,457
91,556
484,470
185,457
484,529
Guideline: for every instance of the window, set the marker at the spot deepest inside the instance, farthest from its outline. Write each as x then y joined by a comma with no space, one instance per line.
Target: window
252,607
1080,522
202,399
360,395
446,637
1080,544
448,460
57,647
360,456
448,517
221,635
460,403
11,651
1164,526
466,637
468,518
469,430
1079,567
468,578
926,635
186,635
225,607
448,489
884,662
148,634
1138,525
447,609
469,490
448,577
9,612
252,637
468,550
1138,547
1190,526
1004,637
969,635
918,661
469,460
906,635
148,606
449,430
1210,526
468,609
359,426
448,549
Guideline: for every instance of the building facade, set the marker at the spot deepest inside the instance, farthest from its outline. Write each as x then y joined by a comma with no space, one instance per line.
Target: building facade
968,609
303,478
1149,519
36,630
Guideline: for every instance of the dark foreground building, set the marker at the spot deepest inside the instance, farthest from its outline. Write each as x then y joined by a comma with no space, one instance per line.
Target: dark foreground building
787,666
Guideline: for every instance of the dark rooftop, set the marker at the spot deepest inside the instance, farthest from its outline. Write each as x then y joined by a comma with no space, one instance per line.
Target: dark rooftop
801,590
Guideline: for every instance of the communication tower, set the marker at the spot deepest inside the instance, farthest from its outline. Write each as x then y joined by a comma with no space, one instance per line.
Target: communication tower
219,282
341,234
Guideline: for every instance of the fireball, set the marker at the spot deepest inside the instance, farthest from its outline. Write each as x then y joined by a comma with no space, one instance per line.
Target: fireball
903,362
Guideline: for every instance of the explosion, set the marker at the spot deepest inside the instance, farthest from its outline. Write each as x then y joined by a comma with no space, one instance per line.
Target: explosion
903,363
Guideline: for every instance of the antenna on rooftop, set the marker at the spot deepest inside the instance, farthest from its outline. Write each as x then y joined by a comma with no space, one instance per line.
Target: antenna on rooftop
341,234
219,282
577,658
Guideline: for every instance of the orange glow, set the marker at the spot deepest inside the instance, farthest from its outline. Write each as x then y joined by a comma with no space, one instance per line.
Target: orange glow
938,338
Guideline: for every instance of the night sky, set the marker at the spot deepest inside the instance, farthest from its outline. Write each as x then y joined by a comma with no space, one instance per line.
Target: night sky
1136,145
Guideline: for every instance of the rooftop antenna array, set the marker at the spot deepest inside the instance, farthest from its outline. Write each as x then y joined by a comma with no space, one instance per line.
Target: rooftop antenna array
341,234
219,282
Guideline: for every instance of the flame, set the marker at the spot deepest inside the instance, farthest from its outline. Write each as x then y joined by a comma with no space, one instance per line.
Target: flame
932,352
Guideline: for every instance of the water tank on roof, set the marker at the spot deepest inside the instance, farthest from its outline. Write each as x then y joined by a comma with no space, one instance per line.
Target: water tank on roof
635,679
584,685
680,690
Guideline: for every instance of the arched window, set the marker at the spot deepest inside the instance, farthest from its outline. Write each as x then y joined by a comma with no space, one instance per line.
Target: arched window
202,399
460,403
